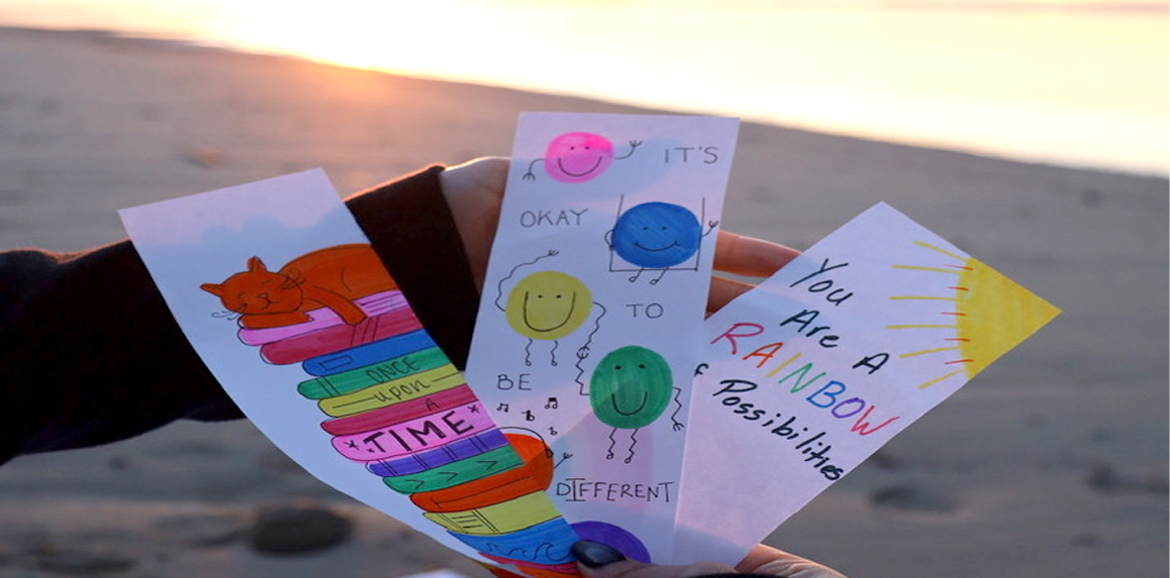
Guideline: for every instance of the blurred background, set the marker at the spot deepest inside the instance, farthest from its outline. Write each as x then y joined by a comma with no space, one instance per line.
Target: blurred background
1065,81
1033,134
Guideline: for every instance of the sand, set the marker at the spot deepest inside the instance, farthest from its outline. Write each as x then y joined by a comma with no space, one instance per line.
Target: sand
1051,463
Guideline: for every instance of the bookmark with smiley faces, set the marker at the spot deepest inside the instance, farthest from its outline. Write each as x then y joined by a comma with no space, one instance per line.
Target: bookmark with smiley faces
593,305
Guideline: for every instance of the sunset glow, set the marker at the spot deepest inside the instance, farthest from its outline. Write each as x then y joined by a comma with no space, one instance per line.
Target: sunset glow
1049,80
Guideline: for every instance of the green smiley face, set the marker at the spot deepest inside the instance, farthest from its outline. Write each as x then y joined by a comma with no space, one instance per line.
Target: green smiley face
630,387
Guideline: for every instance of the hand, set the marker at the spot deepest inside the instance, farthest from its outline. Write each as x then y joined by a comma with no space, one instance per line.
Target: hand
747,257
475,189
600,561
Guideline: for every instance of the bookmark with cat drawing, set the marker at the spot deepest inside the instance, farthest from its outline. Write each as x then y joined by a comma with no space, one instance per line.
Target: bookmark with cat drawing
325,355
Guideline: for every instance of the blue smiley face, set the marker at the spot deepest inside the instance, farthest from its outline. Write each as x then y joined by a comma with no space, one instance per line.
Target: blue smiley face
656,235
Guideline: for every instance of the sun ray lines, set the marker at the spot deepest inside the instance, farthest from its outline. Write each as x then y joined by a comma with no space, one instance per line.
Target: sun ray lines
940,250
929,269
926,351
940,379
991,313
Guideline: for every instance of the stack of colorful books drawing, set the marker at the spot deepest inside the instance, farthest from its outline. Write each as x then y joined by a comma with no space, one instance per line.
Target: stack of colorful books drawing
397,406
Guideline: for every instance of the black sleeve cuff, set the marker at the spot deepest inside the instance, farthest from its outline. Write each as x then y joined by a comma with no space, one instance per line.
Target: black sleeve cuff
92,354
411,228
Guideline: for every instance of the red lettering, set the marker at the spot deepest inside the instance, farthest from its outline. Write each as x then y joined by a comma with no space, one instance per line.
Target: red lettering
731,334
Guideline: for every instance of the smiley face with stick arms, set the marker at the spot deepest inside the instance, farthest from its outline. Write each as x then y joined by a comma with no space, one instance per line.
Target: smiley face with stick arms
630,388
548,305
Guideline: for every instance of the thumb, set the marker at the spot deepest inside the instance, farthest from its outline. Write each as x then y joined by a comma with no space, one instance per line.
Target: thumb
597,560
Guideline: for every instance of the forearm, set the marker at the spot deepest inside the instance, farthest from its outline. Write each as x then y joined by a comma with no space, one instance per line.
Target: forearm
91,353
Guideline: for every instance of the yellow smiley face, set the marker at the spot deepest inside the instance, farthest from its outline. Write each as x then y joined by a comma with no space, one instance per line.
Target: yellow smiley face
548,305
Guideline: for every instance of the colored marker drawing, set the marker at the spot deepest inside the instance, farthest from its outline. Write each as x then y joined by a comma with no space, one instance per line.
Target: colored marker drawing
333,278
576,157
395,405
371,305
656,236
601,288
630,389
614,536
984,314
548,306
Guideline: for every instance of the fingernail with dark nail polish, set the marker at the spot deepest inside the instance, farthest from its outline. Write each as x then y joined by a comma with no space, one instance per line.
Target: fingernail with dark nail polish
595,554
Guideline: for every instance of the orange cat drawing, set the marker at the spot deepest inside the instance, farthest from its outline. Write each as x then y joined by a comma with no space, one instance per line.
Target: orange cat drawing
332,277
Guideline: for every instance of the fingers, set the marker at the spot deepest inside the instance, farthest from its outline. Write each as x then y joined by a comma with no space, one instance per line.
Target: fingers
632,569
723,291
742,255
747,256
474,191
772,562
483,172
597,560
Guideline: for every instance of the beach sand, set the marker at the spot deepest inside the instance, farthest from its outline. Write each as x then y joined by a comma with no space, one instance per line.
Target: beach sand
1051,463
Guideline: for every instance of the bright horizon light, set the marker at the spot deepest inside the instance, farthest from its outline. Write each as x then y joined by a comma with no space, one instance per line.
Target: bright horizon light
1041,80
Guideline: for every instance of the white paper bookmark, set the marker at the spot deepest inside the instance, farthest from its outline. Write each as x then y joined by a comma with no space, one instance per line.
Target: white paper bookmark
280,293
591,317
808,374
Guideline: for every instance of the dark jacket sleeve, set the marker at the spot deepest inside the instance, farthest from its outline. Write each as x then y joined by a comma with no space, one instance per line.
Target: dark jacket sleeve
90,353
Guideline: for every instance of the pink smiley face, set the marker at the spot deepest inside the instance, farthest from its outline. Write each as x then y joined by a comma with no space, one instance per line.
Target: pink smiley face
576,157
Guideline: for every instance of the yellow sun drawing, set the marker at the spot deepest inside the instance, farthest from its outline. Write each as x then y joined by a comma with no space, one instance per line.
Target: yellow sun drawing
990,314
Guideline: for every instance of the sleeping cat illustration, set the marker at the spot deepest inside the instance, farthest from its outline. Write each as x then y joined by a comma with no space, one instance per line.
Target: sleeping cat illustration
333,277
